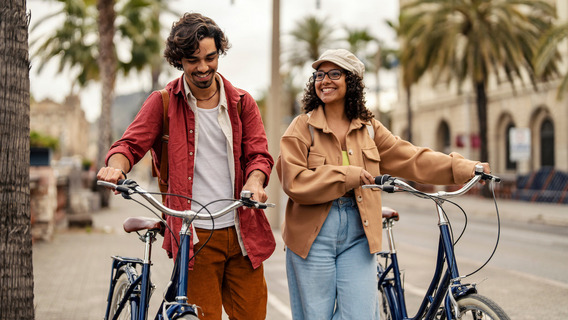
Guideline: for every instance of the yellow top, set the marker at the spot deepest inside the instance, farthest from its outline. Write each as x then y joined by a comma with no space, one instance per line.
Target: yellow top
345,158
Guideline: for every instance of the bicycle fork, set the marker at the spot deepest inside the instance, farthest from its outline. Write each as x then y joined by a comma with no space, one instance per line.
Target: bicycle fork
452,278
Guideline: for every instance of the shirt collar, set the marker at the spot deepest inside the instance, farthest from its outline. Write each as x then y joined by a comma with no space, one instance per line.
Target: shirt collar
193,102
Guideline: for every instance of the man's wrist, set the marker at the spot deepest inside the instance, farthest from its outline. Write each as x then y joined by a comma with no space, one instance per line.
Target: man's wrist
258,176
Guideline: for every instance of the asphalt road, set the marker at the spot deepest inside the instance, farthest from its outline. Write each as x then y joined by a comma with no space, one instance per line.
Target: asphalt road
527,275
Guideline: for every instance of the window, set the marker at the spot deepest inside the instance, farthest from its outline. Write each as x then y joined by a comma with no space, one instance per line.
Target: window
509,164
547,144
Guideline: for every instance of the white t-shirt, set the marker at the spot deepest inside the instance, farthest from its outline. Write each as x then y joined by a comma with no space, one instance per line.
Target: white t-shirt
212,176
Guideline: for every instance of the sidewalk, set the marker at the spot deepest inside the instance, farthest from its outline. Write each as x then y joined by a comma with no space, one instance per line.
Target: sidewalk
509,210
72,272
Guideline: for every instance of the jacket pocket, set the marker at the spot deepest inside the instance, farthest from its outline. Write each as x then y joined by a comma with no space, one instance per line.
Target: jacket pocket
372,159
315,160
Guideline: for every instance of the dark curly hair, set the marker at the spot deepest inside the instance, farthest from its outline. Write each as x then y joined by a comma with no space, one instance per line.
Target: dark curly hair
185,36
354,97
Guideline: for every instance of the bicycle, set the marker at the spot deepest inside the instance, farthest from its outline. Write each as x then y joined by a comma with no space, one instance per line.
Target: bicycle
447,297
130,290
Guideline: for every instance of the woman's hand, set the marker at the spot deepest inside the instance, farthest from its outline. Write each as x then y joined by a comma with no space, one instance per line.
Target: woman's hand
366,177
486,169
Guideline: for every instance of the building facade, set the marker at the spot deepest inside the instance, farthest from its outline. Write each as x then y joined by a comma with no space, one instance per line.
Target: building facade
527,129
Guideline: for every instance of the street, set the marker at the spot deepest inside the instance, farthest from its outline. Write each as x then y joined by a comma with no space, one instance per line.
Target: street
527,276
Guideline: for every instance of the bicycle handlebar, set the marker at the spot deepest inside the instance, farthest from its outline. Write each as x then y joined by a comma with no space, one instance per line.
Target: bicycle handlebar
392,184
129,187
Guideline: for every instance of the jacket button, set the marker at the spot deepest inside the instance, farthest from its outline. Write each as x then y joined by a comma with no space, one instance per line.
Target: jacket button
350,152
188,178
190,153
366,223
359,198
190,131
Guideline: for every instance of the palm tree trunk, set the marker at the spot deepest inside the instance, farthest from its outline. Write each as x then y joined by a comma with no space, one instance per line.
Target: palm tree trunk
108,68
481,100
16,281
409,114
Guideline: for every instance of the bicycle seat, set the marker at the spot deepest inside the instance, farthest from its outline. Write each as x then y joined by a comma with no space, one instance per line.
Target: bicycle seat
390,213
143,223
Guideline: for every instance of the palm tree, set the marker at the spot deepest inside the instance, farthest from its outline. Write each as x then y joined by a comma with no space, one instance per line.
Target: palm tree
547,51
412,58
310,36
359,40
107,62
468,40
16,296
381,57
86,41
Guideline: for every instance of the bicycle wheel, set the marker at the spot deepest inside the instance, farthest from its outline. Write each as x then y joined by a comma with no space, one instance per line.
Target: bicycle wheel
385,308
477,307
188,317
122,285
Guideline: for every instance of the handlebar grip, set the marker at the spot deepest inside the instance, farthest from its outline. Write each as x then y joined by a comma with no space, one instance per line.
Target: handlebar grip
380,180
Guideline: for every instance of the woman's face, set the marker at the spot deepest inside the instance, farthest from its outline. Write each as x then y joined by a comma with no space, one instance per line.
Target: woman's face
328,90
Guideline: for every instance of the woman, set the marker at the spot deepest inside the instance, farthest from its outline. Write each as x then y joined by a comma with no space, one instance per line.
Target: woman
332,227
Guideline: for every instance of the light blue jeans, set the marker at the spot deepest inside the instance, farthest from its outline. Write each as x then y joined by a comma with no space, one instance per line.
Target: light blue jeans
338,279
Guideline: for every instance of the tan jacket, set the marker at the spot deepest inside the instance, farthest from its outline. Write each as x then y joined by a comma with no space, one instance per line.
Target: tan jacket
312,174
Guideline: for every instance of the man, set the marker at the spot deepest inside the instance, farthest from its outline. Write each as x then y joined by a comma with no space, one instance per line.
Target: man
217,147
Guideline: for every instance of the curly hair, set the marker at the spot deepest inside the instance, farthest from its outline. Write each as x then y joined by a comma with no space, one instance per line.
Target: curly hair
354,97
185,35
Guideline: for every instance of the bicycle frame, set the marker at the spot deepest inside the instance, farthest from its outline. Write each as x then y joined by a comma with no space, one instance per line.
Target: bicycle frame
139,289
437,291
139,305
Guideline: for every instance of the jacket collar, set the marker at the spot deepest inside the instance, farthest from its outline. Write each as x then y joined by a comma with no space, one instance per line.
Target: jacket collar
317,120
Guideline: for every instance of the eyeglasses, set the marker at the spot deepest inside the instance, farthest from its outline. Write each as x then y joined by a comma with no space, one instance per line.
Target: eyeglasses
333,74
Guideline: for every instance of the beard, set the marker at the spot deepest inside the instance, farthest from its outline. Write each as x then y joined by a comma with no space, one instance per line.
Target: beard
203,84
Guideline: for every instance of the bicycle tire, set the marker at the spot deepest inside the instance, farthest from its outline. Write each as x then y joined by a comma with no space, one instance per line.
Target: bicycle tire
475,306
384,308
122,285
187,317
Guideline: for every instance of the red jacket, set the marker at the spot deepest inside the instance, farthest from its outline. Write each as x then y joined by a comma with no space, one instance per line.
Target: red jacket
250,153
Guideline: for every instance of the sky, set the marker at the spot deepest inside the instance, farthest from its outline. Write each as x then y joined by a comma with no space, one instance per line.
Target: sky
248,25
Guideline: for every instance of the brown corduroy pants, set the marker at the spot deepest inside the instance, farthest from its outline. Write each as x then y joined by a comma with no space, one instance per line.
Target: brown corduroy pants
221,275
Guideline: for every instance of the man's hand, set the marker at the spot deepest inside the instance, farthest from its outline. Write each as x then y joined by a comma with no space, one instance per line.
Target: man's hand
110,174
254,184
117,166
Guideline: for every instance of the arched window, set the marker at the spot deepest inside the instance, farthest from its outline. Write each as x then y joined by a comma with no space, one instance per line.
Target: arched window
509,165
547,143
443,138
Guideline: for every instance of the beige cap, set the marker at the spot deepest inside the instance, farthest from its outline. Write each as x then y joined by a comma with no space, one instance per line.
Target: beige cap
342,58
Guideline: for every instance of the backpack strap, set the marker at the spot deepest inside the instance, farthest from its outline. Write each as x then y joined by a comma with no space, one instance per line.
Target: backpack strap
163,176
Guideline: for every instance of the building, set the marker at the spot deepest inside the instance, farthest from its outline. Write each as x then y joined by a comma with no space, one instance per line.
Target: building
65,122
533,123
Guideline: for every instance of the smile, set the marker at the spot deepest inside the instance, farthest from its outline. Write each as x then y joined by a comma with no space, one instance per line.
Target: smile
202,76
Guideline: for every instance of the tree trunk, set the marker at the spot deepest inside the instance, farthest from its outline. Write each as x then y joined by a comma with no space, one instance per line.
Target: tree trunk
481,100
108,67
16,269
409,114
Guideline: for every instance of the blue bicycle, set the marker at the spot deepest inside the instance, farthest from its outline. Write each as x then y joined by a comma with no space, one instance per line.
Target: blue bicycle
130,285
447,297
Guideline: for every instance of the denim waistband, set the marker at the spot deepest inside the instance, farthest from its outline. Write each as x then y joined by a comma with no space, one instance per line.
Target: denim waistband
344,202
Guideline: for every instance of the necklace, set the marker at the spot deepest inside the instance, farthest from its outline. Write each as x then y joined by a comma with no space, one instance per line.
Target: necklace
206,99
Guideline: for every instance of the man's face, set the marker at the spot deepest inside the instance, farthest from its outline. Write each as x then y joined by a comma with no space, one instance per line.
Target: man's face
200,67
